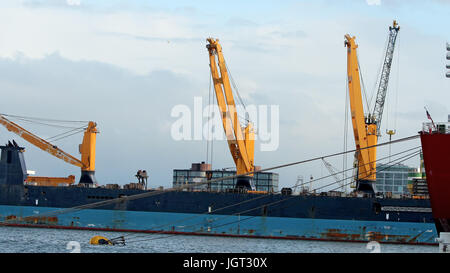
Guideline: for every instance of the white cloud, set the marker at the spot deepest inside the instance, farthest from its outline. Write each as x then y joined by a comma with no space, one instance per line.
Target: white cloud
373,2
73,2
122,62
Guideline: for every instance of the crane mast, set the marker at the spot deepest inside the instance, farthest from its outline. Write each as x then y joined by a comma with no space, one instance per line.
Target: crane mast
87,151
87,148
240,140
384,79
364,130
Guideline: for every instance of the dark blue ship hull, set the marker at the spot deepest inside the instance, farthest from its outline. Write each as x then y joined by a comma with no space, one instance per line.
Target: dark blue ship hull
268,216
278,216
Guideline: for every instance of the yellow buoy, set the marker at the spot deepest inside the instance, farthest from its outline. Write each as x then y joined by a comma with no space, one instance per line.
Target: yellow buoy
100,240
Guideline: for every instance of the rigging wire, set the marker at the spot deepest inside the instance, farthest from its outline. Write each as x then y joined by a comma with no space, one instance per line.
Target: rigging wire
147,194
212,140
282,200
398,80
235,86
380,68
349,169
45,119
209,120
393,107
362,83
404,158
388,110
265,196
55,136
408,156
43,123
65,136
241,212
241,101
264,205
346,121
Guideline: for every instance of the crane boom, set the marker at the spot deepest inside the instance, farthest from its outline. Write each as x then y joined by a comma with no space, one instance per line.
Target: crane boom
240,140
365,132
331,170
87,148
384,79
39,142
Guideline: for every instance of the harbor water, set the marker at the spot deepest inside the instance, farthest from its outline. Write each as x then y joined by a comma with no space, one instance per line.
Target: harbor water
41,240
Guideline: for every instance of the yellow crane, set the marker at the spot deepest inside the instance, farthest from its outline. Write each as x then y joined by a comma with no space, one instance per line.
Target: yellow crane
86,148
241,140
366,128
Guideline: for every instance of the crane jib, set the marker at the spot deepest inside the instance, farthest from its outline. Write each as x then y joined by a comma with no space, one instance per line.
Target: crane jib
87,149
384,78
240,140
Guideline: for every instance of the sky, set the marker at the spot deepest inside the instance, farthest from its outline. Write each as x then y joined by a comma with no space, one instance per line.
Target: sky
127,64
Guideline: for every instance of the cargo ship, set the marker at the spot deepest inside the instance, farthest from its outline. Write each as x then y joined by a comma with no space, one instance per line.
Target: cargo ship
231,214
241,212
435,140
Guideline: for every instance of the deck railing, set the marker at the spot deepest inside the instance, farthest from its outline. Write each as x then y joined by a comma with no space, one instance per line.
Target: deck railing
438,127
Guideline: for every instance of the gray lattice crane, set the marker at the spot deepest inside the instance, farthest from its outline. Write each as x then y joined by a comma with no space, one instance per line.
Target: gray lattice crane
384,78
333,171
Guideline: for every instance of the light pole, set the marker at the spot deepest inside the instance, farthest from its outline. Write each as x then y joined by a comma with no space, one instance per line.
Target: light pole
390,133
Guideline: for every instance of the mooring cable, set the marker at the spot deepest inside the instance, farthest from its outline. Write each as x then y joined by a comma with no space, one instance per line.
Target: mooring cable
152,193
407,157
267,195
270,204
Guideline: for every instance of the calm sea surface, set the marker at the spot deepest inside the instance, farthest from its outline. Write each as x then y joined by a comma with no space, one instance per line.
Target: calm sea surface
38,240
